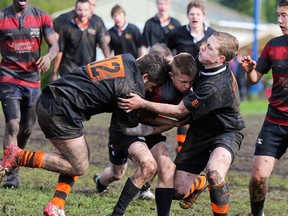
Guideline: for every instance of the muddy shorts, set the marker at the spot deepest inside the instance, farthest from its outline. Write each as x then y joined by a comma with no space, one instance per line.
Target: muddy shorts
53,120
118,146
10,94
272,140
152,140
194,156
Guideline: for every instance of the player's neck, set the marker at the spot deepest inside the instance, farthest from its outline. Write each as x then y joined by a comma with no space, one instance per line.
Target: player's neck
163,16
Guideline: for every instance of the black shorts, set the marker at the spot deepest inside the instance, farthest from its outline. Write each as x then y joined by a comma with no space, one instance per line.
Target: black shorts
272,140
152,140
53,120
194,156
118,146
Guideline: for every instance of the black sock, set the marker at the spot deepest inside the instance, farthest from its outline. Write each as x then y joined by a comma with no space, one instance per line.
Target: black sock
128,193
164,198
257,207
145,186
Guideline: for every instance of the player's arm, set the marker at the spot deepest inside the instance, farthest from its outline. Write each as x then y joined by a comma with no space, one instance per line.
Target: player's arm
136,102
249,66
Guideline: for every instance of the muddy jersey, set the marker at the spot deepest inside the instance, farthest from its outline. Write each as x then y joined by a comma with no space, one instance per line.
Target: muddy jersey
214,104
125,40
94,89
154,32
181,40
20,43
275,56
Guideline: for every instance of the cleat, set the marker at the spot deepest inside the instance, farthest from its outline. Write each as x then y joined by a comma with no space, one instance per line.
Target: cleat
146,194
53,210
189,200
12,179
8,161
99,187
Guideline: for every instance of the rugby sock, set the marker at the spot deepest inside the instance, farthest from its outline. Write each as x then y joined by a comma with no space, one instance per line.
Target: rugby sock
164,197
29,159
198,184
63,188
145,187
128,193
257,208
181,136
219,196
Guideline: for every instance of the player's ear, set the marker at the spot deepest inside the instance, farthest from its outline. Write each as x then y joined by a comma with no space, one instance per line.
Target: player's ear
145,77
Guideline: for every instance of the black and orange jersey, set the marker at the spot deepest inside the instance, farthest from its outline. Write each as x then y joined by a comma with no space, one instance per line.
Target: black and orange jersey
154,32
214,103
95,88
125,40
181,40
20,44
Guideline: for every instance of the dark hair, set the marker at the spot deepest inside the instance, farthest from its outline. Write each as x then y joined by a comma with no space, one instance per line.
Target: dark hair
282,3
197,4
81,1
117,8
156,67
185,64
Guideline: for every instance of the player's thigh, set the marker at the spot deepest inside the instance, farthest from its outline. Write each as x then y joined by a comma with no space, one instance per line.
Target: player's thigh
139,153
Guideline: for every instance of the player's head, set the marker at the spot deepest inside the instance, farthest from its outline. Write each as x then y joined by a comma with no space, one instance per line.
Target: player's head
92,5
163,6
196,13
163,51
118,15
282,14
153,69
221,47
183,72
83,10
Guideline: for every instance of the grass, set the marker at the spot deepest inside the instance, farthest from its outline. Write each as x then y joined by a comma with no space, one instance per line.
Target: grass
37,186
254,107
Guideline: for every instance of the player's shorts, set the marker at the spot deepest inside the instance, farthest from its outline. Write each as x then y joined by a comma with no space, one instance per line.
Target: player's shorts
118,146
152,140
53,121
194,156
9,93
272,140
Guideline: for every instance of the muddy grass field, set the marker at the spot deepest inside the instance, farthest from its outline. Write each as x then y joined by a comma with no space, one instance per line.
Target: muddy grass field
97,137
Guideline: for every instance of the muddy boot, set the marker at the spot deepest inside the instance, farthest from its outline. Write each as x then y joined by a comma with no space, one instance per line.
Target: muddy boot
12,179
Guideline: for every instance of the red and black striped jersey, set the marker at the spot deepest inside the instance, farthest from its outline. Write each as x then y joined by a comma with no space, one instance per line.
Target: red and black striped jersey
20,43
275,56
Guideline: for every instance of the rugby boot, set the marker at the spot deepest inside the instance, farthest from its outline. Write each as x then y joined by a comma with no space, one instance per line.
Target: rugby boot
192,197
99,187
53,210
12,179
8,161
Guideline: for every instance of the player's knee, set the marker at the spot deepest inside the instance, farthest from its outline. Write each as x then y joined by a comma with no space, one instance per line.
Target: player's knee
12,127
82,168
213,177
258,181
149,169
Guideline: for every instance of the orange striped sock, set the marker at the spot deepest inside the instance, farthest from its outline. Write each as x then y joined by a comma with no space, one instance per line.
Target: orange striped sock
220,196
63,188
198,184
29,159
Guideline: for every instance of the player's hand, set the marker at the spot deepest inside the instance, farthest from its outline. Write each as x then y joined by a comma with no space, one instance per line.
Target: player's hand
128,104
43,63
248,64
182,122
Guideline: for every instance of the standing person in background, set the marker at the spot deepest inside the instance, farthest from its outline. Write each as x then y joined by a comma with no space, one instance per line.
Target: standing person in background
78,40
125,37
157,27
21,30
271,143
188,38
66,18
